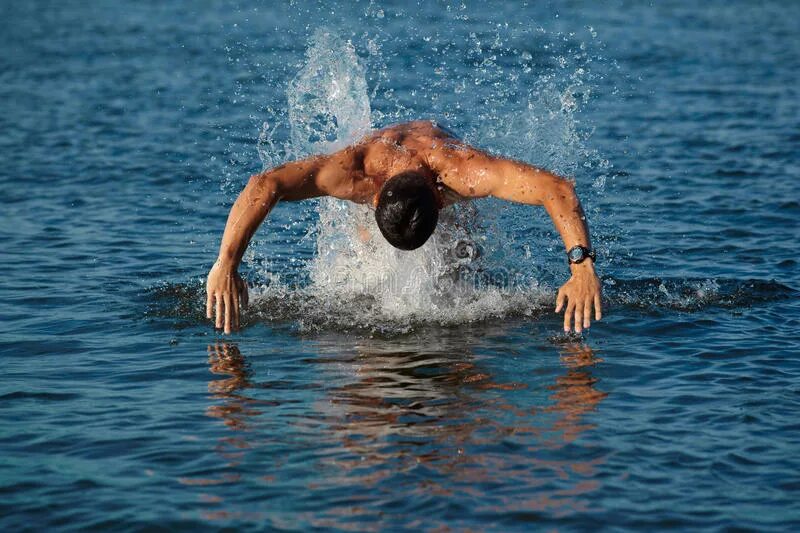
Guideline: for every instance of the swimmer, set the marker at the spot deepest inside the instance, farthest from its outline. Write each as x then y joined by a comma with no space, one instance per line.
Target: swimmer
407,172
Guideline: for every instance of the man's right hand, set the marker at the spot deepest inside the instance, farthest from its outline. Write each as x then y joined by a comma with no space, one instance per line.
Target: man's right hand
226,296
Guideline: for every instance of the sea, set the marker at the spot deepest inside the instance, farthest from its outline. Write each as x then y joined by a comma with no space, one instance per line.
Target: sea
371,389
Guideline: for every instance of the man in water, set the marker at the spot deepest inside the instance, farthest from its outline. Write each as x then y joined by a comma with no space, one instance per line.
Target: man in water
408,172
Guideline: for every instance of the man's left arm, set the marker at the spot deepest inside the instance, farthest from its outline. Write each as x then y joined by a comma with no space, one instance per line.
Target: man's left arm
473,173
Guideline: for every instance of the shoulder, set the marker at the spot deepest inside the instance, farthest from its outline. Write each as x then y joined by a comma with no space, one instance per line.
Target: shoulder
467,170
447,153
342,164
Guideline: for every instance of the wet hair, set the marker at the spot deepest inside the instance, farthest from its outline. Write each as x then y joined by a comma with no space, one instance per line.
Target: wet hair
407,210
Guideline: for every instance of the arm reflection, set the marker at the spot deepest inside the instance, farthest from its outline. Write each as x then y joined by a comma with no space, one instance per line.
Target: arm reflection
444,399
431,412
574,393
225,359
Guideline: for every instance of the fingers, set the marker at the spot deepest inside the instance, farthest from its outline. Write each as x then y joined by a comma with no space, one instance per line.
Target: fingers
578,313
579,295
560,298
226,296
587,314
568,317
228,312
219,311
235,304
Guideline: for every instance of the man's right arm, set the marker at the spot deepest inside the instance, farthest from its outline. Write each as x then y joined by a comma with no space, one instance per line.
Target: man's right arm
474,173
226,291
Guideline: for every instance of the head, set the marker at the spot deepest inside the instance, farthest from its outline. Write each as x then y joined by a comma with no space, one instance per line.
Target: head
407,210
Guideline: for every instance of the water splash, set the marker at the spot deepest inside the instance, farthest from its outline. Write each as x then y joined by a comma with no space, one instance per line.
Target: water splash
328,103
309,309
355,272
694,294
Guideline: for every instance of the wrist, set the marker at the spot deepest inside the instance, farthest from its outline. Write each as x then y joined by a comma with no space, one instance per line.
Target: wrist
584,267
225,263
228,256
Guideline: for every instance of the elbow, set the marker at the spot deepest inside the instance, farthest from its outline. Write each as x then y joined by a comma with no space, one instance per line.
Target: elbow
265,185
561,195
260,180
563,190
565,185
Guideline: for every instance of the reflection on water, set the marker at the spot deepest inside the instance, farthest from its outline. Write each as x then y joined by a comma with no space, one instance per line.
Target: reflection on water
225,359
428,419
574,393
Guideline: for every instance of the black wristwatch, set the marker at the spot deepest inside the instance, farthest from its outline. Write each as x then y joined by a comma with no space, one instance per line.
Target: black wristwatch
577,254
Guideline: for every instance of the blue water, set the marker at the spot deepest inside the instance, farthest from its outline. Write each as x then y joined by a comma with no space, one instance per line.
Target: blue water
127,128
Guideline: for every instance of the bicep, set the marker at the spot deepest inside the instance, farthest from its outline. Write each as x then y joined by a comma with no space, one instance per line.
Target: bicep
296,180
322,175
516,181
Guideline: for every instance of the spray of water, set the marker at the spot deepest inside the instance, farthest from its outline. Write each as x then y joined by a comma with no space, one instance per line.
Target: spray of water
357,279
514,89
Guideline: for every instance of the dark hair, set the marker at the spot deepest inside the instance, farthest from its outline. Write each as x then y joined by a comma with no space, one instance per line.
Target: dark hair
407,210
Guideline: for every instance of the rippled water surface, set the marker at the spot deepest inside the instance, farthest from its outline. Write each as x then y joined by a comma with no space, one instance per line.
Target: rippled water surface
354,399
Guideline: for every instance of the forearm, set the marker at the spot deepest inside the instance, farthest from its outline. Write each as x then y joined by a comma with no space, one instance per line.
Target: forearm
248,212
225,289
564,208
581,294
523,183
520,182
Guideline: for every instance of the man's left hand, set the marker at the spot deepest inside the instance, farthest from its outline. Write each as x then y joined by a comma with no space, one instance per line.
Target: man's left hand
580,294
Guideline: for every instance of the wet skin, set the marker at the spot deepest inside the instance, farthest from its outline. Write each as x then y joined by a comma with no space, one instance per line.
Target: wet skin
457,172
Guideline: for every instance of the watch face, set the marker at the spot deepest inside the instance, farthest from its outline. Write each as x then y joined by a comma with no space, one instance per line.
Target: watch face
576,254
